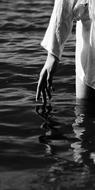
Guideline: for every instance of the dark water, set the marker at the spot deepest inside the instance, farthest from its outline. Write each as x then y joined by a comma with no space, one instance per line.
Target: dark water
45,149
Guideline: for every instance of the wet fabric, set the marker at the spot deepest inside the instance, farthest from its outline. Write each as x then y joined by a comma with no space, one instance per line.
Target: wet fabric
59,28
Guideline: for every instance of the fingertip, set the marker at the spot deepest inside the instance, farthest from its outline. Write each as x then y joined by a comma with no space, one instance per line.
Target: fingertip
38,93
37,97
44,99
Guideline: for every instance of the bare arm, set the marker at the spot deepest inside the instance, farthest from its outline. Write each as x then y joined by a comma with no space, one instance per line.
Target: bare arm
45,80
59,28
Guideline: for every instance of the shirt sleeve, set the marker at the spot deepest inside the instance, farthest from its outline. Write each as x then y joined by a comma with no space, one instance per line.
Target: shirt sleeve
59,27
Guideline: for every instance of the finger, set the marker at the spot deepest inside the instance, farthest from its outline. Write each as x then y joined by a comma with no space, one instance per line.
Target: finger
49,80
48,93
39,87
49,86
44,99
40,84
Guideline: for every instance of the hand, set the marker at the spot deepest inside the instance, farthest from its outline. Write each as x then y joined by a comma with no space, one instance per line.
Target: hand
44,87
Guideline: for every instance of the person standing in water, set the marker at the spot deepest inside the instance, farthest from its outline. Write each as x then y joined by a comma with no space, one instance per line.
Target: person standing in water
60,26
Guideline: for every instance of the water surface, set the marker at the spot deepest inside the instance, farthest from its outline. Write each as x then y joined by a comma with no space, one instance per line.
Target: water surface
51,148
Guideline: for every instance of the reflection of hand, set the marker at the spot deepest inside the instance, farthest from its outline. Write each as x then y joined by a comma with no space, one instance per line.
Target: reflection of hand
45,80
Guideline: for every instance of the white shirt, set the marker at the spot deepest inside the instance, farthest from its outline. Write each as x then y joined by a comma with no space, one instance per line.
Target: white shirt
59,28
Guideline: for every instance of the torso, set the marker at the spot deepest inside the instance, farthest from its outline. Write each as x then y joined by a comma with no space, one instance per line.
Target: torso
85,47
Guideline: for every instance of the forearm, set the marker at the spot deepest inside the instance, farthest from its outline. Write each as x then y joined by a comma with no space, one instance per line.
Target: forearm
51,62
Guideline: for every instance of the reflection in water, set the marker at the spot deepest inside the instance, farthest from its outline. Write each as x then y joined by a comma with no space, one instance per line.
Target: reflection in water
80,146
84,129
51,130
